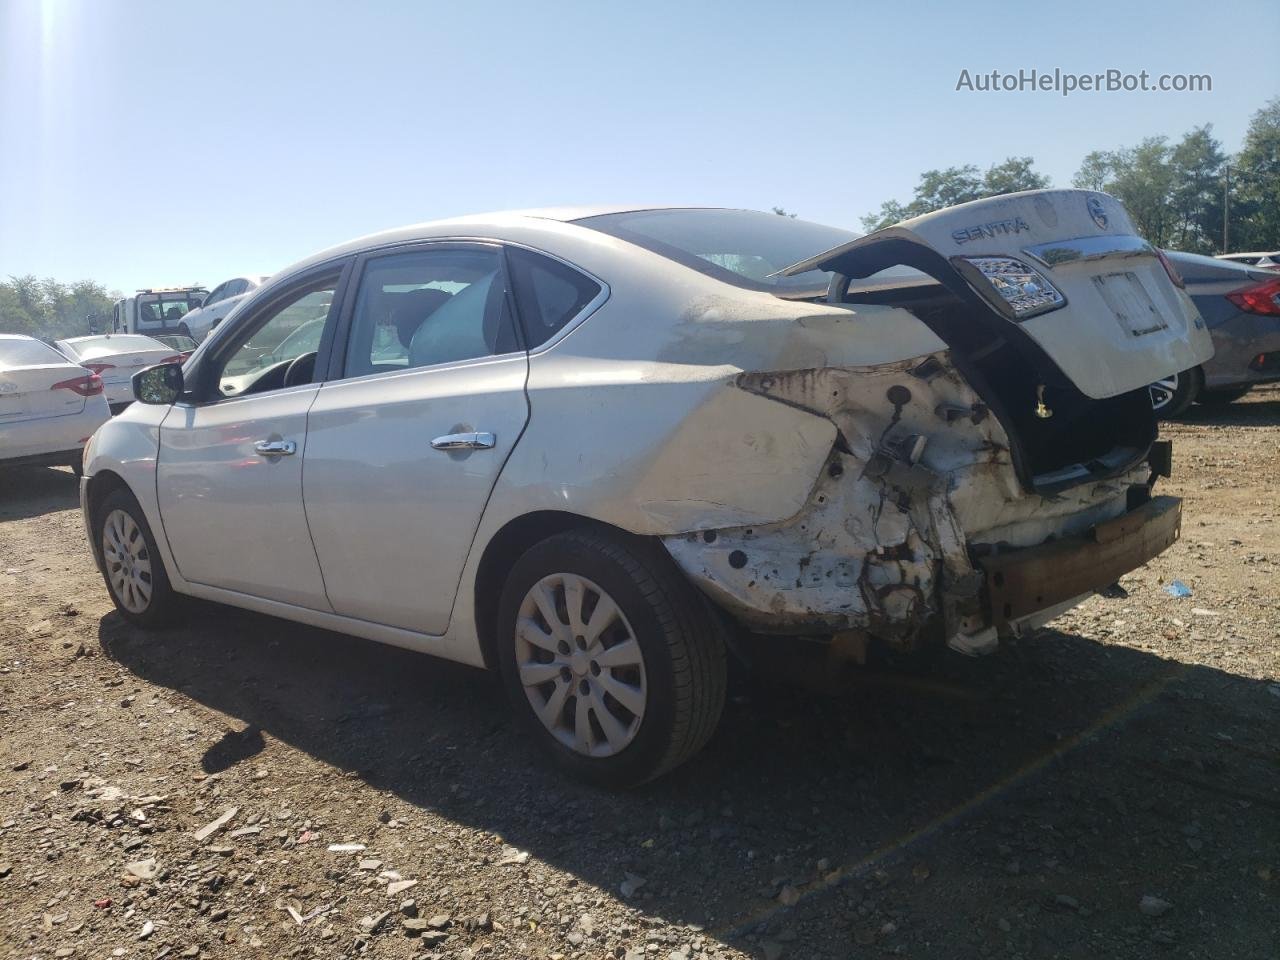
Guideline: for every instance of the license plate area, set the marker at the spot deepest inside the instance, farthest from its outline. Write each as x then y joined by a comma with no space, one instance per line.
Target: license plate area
1130,303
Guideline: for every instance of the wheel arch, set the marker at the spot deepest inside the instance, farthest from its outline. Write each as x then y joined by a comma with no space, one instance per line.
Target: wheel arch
99,487
501,553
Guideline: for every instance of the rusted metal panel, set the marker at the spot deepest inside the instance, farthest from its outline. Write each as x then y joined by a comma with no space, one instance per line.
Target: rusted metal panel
1023,581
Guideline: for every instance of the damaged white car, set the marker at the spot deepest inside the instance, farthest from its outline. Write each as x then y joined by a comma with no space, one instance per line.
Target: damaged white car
590,448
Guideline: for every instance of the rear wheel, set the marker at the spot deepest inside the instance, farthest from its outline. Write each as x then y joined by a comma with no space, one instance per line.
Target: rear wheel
131,564
611,659
1171,395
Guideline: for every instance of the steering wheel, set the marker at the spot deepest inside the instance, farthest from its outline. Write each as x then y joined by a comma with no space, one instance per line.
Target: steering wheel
300,370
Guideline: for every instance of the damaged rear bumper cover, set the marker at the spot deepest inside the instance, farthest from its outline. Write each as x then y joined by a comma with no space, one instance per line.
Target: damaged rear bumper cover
1023,582
916,531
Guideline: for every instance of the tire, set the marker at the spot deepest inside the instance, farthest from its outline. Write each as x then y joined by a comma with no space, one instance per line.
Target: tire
145,600
1172,395
1220,398
668,654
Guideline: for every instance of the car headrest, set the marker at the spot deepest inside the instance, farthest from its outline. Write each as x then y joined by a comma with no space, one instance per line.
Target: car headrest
452,333
414,307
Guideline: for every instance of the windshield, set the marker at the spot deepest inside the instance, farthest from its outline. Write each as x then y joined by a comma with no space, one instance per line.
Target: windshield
166,309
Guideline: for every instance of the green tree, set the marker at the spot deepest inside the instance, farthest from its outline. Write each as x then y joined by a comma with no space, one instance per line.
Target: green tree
946,188
1255,210
50,308
1173,192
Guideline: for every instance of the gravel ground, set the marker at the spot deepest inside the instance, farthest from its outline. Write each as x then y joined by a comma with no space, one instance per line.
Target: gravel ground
1107,788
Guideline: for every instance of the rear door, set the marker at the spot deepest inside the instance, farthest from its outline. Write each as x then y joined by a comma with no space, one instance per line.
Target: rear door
425,401
1067,266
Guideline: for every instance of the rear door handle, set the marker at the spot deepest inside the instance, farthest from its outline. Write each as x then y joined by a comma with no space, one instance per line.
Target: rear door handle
464,441
275,448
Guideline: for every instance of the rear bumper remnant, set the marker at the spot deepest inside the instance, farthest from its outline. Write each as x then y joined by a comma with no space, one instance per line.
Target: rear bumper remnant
1021,582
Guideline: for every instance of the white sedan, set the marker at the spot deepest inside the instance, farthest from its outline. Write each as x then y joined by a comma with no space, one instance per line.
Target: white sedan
116,357
49,406
222,299
600,450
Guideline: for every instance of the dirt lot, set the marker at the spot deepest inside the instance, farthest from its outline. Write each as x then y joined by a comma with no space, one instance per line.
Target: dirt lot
1107,788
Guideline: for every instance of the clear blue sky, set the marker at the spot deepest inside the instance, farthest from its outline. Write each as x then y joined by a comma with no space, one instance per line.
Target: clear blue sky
157,142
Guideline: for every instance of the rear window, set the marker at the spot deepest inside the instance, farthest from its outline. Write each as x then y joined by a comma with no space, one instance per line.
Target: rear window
117,343
27,353
743,247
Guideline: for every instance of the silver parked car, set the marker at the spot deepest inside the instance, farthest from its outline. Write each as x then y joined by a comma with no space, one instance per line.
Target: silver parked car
49,405
593,448
1241,306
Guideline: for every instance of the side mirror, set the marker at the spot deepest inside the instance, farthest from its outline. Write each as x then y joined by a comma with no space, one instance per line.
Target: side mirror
161,384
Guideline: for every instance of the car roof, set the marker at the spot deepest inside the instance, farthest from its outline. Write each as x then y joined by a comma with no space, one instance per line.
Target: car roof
431,229
15,336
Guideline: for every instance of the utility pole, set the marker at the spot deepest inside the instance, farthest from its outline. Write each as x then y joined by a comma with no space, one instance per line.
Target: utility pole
1226,209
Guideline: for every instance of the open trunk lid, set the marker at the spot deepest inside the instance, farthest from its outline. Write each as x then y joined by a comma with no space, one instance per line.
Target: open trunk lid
1065,266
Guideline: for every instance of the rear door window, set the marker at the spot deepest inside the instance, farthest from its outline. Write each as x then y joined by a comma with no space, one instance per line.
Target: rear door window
429,307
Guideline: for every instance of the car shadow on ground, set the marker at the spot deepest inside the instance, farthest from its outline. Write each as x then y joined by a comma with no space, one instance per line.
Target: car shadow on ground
1260,408
27,492
801,792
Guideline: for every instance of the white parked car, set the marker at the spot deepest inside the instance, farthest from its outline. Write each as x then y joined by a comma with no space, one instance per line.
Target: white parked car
596,449
49,406
116,357
221,300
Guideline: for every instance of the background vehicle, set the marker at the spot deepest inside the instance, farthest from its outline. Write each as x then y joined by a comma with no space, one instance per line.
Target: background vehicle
1241,306
609,440
224,298
49,406
156,310
116,358
1262,260
182,345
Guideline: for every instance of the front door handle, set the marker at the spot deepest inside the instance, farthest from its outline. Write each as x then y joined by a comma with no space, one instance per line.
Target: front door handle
275,448
464,441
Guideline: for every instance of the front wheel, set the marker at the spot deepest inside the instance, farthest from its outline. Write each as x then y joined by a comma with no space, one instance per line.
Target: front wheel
131,564
1171,395
611,658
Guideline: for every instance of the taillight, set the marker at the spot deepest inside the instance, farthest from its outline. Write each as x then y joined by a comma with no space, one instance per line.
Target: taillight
1021,290
1263,299
98,367
89,386
176,358
1171,270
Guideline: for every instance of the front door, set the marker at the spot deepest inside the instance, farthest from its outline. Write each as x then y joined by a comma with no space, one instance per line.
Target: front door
229,474
407,438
